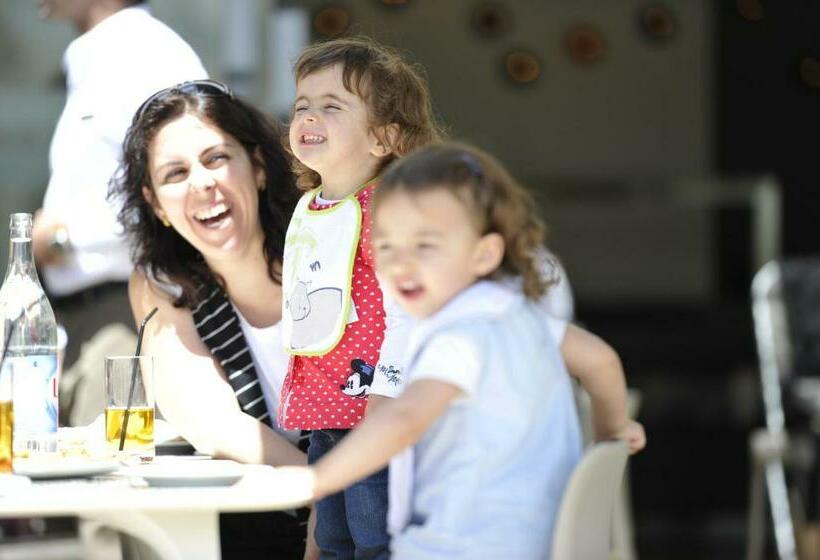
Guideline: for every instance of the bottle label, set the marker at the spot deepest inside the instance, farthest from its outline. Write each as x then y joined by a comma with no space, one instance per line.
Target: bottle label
34,381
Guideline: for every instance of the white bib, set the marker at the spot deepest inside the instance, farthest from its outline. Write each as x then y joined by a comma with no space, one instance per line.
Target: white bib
320,248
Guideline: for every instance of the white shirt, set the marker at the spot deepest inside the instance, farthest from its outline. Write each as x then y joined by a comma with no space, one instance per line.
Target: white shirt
271,363
110,70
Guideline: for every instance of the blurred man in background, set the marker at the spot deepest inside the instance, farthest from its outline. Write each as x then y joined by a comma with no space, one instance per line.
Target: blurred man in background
121,56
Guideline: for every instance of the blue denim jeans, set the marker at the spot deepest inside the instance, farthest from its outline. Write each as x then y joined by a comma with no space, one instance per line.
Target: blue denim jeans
351,524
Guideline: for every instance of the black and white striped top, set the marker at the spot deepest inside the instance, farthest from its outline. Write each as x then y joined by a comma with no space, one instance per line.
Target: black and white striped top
219,329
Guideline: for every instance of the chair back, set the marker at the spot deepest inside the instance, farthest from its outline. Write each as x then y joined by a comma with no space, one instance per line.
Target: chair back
584,525
801,294
785,304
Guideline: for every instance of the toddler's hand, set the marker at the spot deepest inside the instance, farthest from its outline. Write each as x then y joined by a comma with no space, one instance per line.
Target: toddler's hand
633,434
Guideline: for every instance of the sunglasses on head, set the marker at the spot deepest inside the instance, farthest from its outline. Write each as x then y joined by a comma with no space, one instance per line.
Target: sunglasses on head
205,88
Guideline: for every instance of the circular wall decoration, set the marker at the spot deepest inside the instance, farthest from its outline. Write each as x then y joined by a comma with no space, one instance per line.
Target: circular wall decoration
585,44
810,72
658,23
491,19
522,67
750,10
331,21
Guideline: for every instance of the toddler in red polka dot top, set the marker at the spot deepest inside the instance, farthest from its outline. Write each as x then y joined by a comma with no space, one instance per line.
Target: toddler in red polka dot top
359,106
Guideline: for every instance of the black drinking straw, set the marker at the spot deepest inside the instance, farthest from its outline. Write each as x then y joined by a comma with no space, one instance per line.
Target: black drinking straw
134,377
13,326
8,339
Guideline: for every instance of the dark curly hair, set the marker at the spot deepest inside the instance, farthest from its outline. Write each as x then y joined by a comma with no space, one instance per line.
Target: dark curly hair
160,251
394,91
496,202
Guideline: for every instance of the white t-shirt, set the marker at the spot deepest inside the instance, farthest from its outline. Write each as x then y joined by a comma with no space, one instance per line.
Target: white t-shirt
111,69
271,363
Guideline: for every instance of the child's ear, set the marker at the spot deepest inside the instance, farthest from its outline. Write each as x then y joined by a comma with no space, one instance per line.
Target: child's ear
489,253
386,138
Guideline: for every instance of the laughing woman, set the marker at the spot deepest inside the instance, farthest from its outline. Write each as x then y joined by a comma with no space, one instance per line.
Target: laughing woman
207,193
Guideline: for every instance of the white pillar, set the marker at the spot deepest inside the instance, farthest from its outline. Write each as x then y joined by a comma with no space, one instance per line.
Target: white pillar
288,33
242,38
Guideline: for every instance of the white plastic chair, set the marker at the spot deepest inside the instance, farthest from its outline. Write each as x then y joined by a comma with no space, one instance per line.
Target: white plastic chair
583,529
623,533
785,295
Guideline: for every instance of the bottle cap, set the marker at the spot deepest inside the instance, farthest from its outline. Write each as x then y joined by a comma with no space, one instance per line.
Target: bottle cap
20,225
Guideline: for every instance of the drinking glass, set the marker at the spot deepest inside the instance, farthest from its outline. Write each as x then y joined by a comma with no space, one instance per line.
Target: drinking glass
129,401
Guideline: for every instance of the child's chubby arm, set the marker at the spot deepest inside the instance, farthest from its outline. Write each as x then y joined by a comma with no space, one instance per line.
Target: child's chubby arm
193,392
385,431
375,401
598,367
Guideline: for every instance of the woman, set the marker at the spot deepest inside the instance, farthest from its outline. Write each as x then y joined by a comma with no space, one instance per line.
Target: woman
207,193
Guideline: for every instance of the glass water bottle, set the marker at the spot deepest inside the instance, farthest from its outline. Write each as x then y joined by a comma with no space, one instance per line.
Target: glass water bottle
29,343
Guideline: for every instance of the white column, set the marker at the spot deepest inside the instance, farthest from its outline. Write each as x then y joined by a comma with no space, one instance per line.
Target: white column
288,31
242,37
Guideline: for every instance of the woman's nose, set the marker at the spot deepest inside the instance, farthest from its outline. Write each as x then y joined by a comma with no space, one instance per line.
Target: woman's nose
201,180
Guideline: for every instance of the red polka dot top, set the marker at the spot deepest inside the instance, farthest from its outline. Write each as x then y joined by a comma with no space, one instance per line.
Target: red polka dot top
329,391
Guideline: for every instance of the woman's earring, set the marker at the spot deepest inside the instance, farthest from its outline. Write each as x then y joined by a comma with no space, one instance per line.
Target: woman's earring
165,221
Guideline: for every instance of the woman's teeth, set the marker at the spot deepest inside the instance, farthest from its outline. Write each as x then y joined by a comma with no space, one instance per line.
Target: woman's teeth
312,139
213,213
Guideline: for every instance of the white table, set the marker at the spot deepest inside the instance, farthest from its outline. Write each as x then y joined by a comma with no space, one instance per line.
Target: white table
179,523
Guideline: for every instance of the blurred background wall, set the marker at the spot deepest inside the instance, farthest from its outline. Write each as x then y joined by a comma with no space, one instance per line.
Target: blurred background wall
663,140
612,107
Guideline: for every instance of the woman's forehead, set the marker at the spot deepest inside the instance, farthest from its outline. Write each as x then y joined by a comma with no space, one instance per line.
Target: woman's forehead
188,130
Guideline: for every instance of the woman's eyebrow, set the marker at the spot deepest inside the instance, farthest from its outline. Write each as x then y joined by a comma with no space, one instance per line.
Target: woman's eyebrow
218,146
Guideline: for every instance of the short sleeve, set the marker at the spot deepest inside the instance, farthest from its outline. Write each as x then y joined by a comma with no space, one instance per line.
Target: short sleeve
558,300
451,357
388,380
557,328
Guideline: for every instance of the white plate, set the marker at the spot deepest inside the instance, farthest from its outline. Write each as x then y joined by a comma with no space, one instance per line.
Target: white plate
63,468
11,483
189,473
